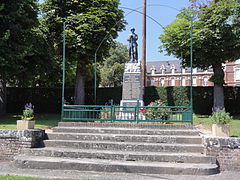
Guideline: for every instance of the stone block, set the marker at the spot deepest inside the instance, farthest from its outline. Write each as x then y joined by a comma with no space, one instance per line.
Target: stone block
23,124
220,130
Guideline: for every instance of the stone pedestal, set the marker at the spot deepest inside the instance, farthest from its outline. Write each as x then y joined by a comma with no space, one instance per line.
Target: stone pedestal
220,130
23,124
132,90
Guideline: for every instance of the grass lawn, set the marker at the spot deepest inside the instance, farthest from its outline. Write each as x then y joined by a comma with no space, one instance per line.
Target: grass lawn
31,178
43,121
234,124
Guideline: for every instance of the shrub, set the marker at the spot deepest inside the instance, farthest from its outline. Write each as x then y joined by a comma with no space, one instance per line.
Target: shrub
155,111
221,117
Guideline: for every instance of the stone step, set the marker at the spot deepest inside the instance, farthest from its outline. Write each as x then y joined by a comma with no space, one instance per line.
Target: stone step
125,146
133,125
126,138
121,155
41,162
109,130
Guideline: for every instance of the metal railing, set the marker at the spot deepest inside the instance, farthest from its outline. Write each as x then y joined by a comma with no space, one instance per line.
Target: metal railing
173,114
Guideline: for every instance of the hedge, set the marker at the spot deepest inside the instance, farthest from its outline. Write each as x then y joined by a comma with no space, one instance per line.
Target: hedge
48,100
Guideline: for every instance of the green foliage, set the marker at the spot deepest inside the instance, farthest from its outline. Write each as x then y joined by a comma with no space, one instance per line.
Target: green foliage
217,79
18,18
91,26
26,50
88,22
111,72
221,117
28,112
171,96
215,39
154,111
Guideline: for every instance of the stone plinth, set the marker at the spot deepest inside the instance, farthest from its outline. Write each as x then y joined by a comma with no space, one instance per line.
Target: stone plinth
24,124
132,90
220,130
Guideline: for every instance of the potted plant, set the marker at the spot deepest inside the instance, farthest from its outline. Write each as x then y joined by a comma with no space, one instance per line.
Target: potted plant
220,126
27,119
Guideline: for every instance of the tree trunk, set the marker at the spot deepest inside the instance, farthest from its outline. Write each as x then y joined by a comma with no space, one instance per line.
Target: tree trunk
218,103
79,92
3,96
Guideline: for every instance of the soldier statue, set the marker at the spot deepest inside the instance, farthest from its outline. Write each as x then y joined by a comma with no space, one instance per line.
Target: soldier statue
133,52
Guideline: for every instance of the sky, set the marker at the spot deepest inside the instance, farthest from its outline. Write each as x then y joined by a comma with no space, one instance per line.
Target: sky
162,11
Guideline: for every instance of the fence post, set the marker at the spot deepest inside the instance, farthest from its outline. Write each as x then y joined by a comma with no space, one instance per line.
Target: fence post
136,111
112,110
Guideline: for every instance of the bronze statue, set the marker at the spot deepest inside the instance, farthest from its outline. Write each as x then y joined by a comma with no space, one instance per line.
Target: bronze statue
133,52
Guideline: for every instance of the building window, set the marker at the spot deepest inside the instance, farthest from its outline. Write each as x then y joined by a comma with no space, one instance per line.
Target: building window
194,81
237,74
162,81
183,70
163,71
172,82
153,69
194,70
183,81
173,69
152,82
205,81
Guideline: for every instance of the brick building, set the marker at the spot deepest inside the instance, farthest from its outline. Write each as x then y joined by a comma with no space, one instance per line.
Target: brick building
171,73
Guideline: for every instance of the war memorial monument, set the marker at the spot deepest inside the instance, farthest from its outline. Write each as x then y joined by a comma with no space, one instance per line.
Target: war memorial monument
132,93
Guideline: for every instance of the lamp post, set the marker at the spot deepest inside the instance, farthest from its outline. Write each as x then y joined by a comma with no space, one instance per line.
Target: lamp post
63,68
144,5
191,64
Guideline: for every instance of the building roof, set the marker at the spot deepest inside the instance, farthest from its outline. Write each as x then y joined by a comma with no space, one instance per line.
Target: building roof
167,66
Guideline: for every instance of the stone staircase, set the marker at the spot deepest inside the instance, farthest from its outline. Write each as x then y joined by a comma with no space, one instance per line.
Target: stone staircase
121,147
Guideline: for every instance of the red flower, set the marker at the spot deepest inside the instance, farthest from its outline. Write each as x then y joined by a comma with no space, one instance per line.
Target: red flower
142,109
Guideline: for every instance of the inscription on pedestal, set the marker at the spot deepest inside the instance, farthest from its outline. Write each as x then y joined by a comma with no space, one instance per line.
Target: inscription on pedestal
132,94
130,104
132,89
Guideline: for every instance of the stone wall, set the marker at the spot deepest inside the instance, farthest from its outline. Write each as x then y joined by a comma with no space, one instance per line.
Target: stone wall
12,141
227,151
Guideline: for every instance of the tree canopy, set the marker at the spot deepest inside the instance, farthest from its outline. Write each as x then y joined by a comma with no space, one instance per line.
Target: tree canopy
89,23
111,72
215,40
18,18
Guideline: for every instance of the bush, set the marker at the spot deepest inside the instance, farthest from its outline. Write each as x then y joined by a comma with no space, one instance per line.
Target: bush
48,100
221,117
154,111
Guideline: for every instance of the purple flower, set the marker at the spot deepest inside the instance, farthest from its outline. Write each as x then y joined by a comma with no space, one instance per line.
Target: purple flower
29,106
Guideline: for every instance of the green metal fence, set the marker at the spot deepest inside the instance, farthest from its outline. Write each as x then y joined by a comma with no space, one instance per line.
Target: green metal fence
174,114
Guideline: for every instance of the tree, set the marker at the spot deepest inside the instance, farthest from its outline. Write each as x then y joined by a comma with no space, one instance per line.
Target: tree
111,72
17,20
215,40
88,22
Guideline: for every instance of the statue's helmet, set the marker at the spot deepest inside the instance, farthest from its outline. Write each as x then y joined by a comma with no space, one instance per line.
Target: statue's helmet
132,29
